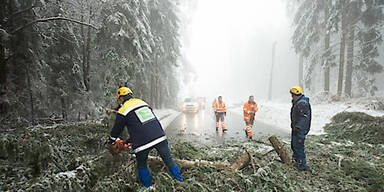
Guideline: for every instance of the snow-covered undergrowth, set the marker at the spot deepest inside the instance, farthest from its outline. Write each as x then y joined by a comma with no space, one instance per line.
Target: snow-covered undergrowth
278,113
73,158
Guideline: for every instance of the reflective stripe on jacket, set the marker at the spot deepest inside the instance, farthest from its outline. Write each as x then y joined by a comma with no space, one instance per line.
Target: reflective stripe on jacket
219,107
249,109
143,126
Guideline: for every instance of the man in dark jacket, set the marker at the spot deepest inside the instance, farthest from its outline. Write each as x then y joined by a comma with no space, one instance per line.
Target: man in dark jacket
301,115
145,133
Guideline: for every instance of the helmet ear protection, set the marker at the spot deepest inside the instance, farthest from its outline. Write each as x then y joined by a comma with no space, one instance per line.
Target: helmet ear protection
123,91
296,90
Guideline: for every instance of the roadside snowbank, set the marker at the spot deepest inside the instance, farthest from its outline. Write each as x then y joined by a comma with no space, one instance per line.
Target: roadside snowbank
166,116
278,113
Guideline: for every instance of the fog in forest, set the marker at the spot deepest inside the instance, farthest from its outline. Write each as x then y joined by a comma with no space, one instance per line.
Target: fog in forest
231,50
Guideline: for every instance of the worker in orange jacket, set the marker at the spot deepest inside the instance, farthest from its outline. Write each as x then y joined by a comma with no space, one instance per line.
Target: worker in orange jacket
249,109
220,111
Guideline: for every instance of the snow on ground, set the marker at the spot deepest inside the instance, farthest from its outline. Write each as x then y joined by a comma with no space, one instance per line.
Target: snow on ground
166,116
278,113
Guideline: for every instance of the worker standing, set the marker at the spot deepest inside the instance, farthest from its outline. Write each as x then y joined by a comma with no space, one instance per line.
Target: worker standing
250,108
220,111
301,116
145,133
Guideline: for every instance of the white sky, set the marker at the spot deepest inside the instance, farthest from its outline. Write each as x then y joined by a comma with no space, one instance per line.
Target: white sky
231,49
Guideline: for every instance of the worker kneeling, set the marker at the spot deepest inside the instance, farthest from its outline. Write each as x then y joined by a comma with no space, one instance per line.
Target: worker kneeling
145,133
250,108
220,111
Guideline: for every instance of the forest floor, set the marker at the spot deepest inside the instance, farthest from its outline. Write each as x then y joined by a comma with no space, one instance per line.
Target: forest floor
350,157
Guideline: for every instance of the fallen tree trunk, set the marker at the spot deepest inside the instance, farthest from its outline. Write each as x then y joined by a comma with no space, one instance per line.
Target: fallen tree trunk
242,162
279,148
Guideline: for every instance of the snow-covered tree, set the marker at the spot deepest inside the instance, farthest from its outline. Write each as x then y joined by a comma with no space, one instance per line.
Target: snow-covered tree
341,22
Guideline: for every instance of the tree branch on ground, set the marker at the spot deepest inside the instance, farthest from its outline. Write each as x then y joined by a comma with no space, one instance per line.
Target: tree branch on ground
239,164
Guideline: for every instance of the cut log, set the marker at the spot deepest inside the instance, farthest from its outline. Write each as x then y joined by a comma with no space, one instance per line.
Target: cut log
279,148
242,162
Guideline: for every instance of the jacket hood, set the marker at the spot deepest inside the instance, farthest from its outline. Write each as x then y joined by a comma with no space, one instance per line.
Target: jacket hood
302,97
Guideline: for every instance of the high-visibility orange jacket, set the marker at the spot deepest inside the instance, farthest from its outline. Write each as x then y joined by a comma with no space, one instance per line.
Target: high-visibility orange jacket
249,109
219,107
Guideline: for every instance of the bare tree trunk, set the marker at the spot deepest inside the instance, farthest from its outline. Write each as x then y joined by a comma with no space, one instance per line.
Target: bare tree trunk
239,164
27,71
326,49
86,47
271,73
349,69
63,108
350,49
158,91
344,32
3,67
152,90
301,69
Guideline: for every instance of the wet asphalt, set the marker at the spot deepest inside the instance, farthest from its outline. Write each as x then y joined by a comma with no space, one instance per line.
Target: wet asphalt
199,128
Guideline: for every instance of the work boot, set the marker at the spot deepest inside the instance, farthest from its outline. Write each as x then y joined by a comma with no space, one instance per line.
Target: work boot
302,168
250,137
145,177
175,171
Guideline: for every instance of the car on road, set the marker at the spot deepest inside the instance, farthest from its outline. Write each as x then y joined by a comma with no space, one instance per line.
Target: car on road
190,105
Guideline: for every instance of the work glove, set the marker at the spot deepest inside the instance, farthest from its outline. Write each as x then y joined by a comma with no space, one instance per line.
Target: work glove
225,113
110,111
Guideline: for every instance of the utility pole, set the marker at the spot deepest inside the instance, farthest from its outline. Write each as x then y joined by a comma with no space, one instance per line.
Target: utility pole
271,75
301,82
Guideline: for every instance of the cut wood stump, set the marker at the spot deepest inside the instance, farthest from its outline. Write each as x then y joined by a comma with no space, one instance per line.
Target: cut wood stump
240,163
279,148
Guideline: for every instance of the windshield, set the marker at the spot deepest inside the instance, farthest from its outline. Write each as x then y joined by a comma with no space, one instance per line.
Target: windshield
188,100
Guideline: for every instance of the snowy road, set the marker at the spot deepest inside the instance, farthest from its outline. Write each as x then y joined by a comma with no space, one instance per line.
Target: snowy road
199,128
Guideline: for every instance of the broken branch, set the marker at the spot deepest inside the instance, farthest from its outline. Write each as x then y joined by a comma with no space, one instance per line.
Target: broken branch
279,148
52,19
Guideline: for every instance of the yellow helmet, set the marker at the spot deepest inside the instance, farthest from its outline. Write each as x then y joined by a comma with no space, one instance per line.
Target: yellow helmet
123,91
296,90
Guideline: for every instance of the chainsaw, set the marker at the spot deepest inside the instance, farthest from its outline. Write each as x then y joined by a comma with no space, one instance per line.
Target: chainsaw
119,146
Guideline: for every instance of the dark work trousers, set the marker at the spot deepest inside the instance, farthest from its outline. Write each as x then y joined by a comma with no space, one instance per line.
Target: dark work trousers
163,150
297,146
219,116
